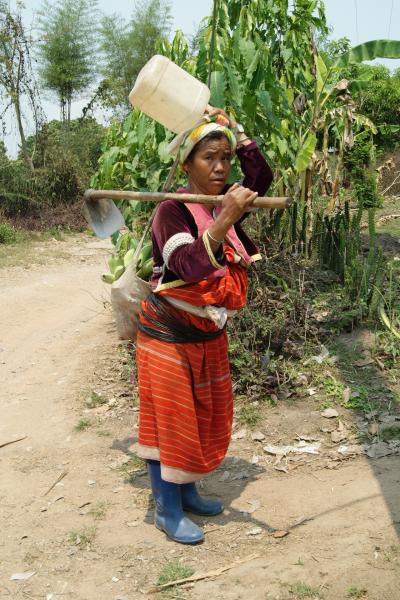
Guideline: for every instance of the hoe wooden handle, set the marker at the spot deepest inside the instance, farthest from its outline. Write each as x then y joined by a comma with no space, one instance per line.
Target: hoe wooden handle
93,195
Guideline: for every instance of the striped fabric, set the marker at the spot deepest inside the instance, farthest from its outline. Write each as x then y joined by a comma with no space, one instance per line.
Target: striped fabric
229,290
186,406
185,390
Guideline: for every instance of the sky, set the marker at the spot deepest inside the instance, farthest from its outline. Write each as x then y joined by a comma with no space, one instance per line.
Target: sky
359,20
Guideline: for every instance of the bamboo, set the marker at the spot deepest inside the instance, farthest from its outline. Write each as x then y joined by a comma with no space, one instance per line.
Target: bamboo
262,202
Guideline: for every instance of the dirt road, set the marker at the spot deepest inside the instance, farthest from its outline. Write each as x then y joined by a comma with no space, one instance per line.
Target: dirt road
65,386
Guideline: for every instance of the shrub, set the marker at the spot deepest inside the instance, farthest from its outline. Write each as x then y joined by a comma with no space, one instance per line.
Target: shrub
7,234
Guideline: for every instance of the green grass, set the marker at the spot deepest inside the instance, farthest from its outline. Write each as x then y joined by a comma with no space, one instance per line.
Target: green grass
392,554
173,571
98,510
301,590
355,592
390,433
94,399
131,469
134,464
83,424
30,249
8,235
249,415
83,537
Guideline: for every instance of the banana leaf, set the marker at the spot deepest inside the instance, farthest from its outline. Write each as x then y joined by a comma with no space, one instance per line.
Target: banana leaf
218,85
305,153
369,51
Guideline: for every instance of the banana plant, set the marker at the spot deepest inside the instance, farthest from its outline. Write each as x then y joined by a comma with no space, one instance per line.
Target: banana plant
327,89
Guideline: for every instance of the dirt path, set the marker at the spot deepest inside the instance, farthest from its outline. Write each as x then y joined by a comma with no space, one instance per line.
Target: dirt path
91,536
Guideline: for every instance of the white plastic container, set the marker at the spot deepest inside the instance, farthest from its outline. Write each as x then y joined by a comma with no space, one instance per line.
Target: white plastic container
169,94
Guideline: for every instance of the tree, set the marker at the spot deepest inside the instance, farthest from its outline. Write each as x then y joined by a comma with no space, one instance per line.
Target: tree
67,49
126,47
16,74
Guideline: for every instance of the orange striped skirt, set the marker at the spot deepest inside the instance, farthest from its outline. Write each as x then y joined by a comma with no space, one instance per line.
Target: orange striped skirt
186,405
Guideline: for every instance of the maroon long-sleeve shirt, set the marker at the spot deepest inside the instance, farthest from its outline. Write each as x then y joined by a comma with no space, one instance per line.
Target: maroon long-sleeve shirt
184,256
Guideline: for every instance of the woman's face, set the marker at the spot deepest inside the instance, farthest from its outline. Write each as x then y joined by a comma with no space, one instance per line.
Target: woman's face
209,168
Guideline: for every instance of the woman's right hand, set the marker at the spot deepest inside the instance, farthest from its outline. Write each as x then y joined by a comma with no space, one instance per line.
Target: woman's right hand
235,203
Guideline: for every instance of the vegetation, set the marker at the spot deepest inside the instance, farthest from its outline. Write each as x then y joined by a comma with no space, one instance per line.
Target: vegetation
126,47
17,81
67,50
320,114
173,571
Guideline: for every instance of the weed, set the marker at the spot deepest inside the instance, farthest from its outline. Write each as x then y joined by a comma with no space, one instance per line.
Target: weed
359,400
102,433
249,415
355,592
387,346
7,234
56,233
133,464
333,387
82,538
390,433
98,511
94,399
392,554
301,590
83,424
131,469
173,571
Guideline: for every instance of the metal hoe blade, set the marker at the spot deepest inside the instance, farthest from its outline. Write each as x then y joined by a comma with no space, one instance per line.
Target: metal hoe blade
104,217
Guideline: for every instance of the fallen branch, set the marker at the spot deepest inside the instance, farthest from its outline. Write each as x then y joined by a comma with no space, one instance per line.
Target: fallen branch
61,476
13,441
392,184
382,220
200,576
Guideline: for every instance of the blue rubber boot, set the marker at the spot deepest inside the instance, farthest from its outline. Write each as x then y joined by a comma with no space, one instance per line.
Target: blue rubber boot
169,515
194,503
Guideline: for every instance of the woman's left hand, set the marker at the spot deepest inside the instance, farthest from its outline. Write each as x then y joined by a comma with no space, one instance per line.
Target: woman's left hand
211,110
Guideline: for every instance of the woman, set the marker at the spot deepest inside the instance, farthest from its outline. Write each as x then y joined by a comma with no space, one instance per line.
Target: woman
201,255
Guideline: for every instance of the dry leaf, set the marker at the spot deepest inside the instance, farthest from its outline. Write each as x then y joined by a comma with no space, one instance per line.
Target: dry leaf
258,436
346,394
363,362
338,436
22,576
239,435
280,534
329,413
254,531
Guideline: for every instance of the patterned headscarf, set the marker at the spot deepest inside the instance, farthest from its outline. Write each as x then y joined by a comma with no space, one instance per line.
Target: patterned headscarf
184,143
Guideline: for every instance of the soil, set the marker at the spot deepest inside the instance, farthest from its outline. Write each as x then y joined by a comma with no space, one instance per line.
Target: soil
75,504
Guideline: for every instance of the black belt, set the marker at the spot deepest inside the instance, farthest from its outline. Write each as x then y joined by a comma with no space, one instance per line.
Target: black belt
169,326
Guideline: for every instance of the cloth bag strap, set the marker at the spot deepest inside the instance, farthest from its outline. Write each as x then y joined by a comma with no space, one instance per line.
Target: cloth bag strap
166,187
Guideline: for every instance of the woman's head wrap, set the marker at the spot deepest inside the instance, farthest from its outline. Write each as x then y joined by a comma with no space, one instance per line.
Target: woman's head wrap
184,143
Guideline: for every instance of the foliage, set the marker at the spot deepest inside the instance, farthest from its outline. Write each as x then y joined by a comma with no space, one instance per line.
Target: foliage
81,141
7,234
359,162
16,74
267,72
67,50
380,101
64,161
126,47
173,571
